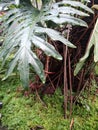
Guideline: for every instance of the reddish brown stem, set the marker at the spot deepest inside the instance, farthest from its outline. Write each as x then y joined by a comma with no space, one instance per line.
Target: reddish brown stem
47,65
65,49
51,83
80,82
70,84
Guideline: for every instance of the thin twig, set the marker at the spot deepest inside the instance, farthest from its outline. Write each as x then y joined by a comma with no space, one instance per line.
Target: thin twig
80,82
39,98
51,83
47,65
87,29
65,81
59,78
81,91
70,84
65,51
71,124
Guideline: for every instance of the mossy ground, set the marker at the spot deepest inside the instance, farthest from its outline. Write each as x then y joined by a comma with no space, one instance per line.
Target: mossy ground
29,113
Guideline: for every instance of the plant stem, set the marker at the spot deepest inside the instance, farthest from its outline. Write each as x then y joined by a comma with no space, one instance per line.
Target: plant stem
65,52
65,49
70,84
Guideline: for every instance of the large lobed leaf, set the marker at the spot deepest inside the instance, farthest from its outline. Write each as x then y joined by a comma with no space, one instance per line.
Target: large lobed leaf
24,28
93,41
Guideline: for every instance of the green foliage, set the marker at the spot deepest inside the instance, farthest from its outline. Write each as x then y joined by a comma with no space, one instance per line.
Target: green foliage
86,111
25,27
23,113
92,42
96,69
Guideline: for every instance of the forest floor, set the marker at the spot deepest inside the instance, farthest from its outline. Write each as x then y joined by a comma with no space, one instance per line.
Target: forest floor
32,113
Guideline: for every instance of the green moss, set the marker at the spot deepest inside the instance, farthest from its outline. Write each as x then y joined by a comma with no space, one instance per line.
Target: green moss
22,113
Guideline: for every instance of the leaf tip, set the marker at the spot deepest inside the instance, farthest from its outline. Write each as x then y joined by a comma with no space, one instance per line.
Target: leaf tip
4,78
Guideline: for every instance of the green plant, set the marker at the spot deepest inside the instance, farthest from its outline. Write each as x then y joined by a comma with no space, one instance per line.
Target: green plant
92,42
31,30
